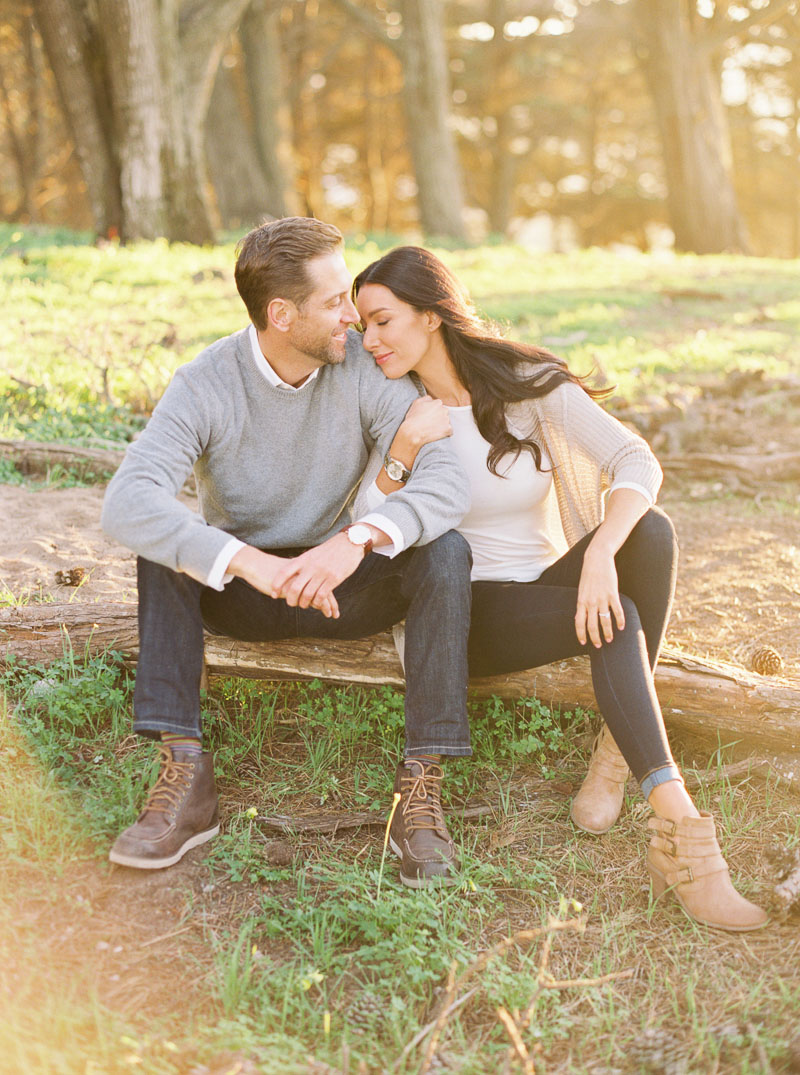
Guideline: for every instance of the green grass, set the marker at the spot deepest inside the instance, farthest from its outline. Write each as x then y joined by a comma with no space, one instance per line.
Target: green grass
94,334
271,958
325,954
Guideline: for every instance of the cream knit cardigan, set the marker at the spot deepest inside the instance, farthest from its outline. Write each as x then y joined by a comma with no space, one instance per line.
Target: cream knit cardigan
589,450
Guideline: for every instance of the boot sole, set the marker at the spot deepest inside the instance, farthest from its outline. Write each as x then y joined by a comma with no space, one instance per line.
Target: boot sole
160,864
594,832
420,882
659,886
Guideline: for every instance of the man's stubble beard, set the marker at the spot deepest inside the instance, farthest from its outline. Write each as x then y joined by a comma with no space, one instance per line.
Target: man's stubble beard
325,351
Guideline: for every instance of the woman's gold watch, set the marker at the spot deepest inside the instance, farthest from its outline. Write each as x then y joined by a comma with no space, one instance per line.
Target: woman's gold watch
395,469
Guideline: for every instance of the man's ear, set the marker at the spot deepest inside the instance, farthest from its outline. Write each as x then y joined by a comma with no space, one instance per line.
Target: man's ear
281,313
433,320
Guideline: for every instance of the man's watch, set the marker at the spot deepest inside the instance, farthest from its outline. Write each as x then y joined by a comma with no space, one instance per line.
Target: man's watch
359,534
395,469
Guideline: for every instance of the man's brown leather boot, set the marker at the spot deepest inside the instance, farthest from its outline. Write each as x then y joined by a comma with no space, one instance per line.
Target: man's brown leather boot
418,833
181,812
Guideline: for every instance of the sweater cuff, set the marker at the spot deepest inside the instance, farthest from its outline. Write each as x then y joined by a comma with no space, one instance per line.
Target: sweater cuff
219,575
391,529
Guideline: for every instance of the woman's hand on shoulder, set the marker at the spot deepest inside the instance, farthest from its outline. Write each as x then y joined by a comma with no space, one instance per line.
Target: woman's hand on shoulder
426,420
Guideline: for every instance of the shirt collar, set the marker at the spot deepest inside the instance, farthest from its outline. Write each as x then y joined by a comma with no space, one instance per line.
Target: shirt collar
268,372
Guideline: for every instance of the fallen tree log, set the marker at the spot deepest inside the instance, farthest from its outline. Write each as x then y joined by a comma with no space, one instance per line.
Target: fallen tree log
775,466
35,457
704,699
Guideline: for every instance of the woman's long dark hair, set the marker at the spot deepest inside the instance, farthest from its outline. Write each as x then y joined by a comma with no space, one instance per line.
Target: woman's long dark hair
490,367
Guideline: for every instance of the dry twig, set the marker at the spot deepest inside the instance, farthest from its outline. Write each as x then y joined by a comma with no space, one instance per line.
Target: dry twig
516,1039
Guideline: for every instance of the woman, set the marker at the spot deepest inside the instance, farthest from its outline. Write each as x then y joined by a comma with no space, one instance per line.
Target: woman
556,571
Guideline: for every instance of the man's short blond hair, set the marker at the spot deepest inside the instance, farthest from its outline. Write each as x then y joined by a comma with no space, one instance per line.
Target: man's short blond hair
271,262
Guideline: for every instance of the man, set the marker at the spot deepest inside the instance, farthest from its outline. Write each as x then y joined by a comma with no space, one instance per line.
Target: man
277,421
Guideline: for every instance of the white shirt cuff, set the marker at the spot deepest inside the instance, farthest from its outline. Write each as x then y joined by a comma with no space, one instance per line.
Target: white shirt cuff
374,497
391,529
218,575
637,488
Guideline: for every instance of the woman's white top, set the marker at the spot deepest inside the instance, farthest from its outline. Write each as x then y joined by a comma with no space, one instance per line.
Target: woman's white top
509,524
506,525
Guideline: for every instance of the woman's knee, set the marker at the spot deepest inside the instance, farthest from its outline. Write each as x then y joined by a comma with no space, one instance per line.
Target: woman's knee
655,531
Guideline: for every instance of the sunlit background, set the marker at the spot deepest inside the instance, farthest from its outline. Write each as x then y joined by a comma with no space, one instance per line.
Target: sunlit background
561,124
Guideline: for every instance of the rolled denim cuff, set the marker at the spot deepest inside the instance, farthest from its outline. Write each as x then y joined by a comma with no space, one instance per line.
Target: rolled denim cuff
446,751
659,776
152,727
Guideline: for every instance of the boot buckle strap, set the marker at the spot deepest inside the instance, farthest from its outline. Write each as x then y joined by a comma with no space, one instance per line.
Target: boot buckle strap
683,876
664,843
662,826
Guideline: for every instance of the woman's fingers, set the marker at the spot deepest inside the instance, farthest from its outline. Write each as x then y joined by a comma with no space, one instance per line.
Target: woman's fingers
619,613
604,623
597,623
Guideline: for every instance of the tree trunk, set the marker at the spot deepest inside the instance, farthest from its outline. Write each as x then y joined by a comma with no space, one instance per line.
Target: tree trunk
692,124
243,193
266,79
703,699
426,95
74,53
504,163
131,31
378,197
151,64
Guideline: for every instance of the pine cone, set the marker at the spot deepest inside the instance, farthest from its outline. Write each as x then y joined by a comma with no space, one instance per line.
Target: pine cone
364,1011
766,661
659,1052
73,576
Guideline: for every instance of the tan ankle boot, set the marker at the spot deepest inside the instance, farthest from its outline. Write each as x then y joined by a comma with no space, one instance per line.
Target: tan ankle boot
597,805
684,858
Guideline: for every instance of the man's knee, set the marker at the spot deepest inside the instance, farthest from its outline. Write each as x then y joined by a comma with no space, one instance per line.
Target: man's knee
449,551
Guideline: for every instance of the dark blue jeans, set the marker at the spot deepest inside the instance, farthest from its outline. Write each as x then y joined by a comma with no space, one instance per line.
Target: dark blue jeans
518,625
427,585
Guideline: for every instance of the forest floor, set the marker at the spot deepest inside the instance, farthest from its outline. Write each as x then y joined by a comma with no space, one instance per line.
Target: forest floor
267,952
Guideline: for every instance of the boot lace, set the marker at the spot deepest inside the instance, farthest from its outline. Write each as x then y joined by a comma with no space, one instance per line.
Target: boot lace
173,781
421,789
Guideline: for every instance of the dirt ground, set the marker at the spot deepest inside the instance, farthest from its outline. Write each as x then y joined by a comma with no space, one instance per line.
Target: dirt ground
739,587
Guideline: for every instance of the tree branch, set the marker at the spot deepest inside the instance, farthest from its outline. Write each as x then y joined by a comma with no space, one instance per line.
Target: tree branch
205,22
714,39
371,25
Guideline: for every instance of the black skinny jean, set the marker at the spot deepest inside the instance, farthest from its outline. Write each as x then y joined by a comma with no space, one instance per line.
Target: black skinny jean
518,625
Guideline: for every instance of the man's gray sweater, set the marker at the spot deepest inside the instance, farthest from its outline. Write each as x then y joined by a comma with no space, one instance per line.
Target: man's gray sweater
274,468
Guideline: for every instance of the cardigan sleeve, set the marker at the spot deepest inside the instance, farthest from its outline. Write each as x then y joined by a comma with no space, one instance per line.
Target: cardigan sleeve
589,433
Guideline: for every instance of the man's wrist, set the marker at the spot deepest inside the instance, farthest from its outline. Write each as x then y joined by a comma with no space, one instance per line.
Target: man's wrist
359,535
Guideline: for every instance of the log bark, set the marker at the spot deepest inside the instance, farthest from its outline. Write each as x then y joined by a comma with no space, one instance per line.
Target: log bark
707,700
777,466
34,457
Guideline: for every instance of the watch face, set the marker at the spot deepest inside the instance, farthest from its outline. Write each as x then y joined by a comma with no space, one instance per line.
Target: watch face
359,534
395,469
